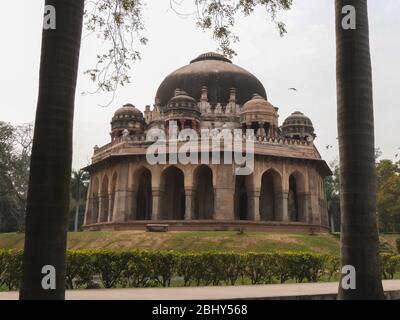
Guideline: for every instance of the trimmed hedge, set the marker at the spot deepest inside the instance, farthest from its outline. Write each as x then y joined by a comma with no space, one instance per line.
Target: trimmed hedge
89,268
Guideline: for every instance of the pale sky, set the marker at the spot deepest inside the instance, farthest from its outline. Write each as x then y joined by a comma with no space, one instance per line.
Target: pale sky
304,59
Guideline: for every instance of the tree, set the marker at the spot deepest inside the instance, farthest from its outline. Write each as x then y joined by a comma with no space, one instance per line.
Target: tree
50,170
79,184
359,230
15,150
388,195
332,189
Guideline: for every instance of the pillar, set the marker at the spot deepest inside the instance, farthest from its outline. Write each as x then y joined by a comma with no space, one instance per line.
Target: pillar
156,195
189,204
88,211
281,203
110,208
101,208
304,199
224,203
122,194
254,205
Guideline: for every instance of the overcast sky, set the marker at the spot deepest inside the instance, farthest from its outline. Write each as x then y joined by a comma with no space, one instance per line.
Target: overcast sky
304,59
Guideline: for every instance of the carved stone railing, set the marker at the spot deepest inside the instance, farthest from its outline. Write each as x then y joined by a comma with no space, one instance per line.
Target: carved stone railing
141,139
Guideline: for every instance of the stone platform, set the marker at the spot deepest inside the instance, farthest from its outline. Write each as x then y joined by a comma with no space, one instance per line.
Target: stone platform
210,225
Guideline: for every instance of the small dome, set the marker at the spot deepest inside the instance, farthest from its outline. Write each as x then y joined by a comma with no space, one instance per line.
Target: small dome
297,118
182,100
258,104
128,111
127,119
258,109
298,126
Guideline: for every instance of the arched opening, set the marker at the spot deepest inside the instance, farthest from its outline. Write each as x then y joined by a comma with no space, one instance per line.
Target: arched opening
112,196
173,194
241,199
295,201
204,193
94,211
144,197
104,205
271,184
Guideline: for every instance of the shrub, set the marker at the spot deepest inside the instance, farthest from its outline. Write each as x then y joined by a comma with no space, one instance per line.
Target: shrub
79,269
190,267
231,265
157,268
398,245
162,266
389,265
110,265
136,272
332,266
260,267
10,268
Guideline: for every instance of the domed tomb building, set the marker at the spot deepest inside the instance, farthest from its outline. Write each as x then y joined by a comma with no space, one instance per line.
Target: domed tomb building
283,191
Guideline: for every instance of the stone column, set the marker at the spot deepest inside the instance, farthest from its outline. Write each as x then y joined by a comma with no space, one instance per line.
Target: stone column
101,209
188,203
110,208
254,205
95,210
281,203
304,210
122,195
156,195
224,203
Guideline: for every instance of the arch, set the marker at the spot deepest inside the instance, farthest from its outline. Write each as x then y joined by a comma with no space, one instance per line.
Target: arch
241,205
104,205
295,200
300,180
112,196
136,172
203,193
172,194
144,199
271,185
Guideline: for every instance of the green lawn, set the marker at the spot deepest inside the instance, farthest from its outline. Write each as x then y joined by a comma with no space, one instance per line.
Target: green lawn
197,241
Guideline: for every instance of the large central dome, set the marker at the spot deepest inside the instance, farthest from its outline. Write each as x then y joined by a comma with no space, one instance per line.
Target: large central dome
215,72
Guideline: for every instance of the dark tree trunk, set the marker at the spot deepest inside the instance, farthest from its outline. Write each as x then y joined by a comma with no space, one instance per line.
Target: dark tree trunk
50,170
359,231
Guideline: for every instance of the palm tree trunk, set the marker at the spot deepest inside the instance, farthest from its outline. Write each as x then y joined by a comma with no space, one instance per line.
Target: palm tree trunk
359,231
50,170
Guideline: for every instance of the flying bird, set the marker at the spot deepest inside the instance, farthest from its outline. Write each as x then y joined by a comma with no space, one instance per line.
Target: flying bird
293,89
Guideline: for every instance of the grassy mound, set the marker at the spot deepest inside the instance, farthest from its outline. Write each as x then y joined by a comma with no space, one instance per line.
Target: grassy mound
197,241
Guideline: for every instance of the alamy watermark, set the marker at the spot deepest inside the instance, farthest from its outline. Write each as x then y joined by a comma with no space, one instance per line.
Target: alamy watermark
348,277
49,17
49,280
349,21
209,146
